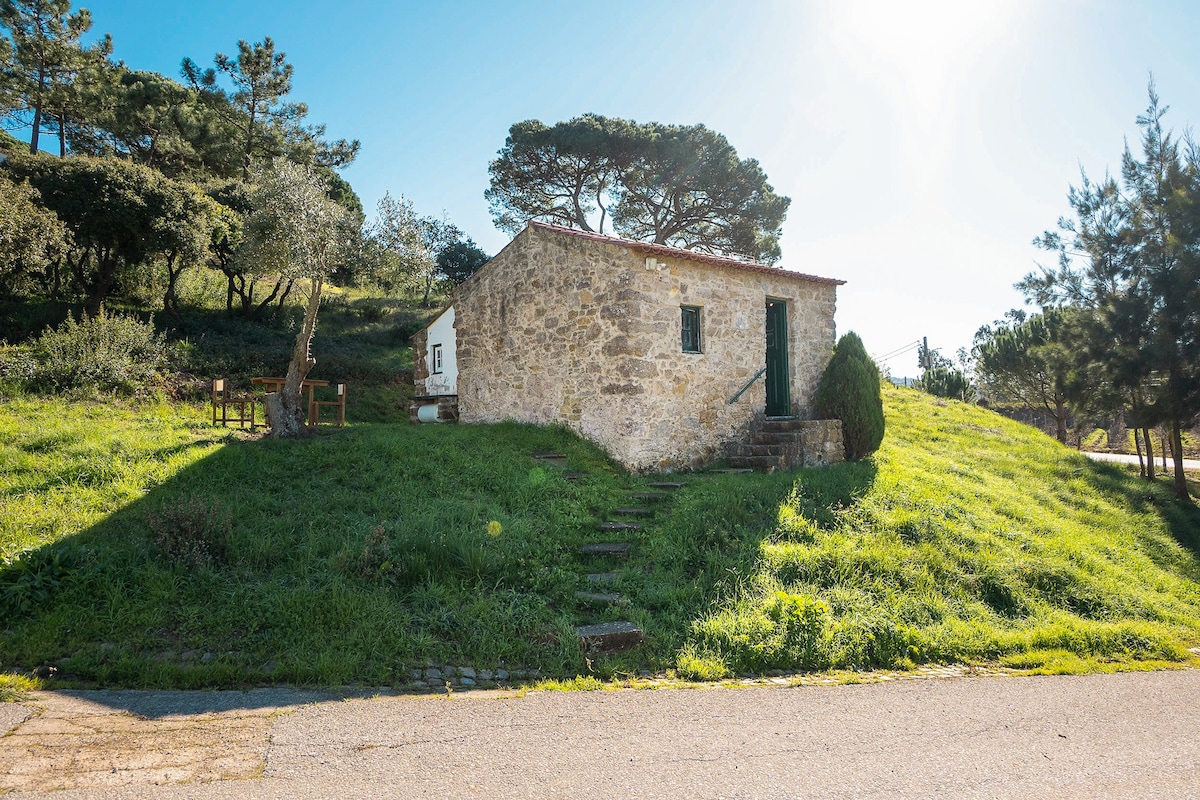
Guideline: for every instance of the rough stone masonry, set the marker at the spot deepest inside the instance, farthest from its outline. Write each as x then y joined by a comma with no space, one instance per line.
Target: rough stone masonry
584,330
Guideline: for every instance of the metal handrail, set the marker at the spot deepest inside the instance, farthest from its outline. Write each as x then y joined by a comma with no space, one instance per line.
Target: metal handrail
749,383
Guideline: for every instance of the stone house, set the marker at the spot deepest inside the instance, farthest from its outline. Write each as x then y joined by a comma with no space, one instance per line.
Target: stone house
667,358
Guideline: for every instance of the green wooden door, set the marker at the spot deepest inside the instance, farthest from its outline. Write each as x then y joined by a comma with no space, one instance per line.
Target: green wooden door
779,397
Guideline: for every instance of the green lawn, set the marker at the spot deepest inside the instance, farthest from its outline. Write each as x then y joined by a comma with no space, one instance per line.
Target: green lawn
143,547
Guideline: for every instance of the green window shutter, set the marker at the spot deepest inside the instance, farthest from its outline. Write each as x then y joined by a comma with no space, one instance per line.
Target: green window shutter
691,328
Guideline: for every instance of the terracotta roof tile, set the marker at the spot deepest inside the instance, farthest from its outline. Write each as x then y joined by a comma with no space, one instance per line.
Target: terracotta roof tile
663,250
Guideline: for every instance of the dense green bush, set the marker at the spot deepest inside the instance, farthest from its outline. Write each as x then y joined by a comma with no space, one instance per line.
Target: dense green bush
943,382
17,368
849,391
110,353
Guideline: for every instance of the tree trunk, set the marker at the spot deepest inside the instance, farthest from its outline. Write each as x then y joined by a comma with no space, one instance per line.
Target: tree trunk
1118,434
1181,489
289,417
1149,454
170,300
428,288
287,290
37,112
1137,445
256,312
1060,419
106,277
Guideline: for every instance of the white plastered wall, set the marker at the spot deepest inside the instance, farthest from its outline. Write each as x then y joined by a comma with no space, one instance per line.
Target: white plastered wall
441,332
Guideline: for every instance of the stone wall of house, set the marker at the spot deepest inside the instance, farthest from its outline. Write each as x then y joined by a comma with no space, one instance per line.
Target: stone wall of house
563,330
420,346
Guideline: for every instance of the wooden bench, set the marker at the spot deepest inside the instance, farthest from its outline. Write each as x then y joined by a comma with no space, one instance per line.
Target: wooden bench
315,406
226,404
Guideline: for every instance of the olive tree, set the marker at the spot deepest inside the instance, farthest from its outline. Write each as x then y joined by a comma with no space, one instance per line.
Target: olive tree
298,231
33,240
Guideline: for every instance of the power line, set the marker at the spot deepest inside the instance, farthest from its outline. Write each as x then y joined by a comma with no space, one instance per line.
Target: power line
900,351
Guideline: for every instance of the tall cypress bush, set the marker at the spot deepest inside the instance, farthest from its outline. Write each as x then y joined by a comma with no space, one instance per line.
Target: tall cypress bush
849,391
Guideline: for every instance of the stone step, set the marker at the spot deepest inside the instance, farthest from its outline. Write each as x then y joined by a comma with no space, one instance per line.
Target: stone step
649,496
777,437
549,455
764,450
760,463
614,549
601,599
620,526
603,578
634,512
609,637
669,485
779,424
572,476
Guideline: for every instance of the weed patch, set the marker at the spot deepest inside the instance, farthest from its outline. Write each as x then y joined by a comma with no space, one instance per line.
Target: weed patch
191,533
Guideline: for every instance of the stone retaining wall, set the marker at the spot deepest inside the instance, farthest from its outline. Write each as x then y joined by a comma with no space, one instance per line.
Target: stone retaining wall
447,407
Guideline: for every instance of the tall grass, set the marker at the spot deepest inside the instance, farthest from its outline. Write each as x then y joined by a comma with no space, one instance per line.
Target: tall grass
976,539
145,548
142,547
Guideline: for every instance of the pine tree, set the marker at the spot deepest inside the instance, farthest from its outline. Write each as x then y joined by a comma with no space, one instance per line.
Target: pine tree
46,58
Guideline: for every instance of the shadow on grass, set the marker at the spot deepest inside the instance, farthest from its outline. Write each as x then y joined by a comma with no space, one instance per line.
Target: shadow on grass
706,544
347,559
1182,517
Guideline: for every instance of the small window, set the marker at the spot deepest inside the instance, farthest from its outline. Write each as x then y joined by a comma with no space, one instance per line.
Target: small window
435,359
691,328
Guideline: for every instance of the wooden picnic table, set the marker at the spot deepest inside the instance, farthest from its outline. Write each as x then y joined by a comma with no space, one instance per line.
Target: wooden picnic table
306,385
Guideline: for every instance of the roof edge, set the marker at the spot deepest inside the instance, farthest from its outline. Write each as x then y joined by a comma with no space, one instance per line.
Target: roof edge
650,248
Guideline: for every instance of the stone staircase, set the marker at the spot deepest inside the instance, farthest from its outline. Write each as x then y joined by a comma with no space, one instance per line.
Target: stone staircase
780,443
606,553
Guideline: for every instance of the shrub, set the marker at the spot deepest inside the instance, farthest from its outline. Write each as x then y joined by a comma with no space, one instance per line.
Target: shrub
111,353
849,391
29,580
371,311
944,382
17,368
799,623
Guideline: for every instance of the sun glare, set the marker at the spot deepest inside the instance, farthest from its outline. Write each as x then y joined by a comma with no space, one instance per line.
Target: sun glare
910,64
923,46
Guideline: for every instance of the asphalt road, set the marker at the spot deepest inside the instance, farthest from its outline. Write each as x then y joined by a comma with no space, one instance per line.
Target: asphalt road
1118,736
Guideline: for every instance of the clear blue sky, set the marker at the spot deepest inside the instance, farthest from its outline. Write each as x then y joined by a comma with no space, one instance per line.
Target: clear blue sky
923,143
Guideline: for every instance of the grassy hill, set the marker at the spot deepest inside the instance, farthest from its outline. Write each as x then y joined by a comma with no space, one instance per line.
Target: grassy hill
143,547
